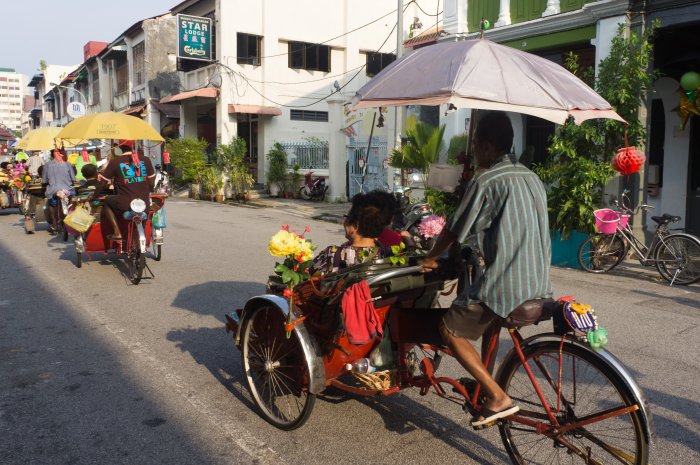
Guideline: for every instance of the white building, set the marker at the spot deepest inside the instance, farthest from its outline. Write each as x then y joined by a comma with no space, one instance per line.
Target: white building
12,87
280,73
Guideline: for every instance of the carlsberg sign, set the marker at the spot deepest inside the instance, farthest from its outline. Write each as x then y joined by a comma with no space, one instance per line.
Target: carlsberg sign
194,37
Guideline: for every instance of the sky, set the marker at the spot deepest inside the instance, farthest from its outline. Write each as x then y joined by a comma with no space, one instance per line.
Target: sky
57,30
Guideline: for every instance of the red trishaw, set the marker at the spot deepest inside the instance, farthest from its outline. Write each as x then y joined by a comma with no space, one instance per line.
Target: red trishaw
138,232
578,405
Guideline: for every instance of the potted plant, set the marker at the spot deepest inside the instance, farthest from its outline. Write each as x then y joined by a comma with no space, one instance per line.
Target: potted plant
241,181
211,182
276,169
228,158
188,157
423,146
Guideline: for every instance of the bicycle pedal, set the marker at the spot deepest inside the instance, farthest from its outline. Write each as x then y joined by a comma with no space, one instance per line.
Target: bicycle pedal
487,425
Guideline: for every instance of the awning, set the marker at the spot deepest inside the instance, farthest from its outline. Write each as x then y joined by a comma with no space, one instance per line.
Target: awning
170,110
429,36
254,109
134,110
205,92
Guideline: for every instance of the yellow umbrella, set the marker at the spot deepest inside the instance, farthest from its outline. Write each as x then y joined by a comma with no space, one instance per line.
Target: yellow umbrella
44,139
109,125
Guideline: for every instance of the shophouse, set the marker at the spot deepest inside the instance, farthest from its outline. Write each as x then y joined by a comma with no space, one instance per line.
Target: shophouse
673,149
275,71
45,100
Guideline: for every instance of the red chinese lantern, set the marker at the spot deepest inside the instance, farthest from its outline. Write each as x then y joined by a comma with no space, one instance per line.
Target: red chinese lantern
628,160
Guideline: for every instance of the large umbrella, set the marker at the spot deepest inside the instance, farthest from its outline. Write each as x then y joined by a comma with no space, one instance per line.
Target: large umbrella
481,74
109,125
43,139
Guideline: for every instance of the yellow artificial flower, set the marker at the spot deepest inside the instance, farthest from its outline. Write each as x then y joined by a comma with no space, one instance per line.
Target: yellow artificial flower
305,252
580,308
284,243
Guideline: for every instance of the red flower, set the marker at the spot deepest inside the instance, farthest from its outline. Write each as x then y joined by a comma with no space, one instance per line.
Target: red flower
287,292
285,227
307,229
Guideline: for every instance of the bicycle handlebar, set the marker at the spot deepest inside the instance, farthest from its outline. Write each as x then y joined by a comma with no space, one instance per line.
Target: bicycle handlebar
393,274
626,205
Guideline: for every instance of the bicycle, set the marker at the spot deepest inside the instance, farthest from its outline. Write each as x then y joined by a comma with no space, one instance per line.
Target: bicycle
676,255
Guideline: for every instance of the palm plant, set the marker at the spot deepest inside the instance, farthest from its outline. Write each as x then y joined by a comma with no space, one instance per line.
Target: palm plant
423,146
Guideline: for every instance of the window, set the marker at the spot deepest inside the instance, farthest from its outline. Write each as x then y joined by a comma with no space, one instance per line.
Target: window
249,49
139,58
308,115
95,77
378,61
122,77
313,57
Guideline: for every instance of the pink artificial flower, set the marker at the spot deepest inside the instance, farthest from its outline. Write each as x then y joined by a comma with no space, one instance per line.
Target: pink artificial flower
285,227
431,225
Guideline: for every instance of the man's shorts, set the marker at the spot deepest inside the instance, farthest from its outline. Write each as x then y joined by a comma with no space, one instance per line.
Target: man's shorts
468,321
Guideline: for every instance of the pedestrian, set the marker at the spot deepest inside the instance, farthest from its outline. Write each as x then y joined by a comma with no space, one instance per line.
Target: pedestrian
35,161
505,210
59,176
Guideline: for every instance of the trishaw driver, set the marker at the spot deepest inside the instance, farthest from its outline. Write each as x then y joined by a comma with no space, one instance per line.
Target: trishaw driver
133,177
505,210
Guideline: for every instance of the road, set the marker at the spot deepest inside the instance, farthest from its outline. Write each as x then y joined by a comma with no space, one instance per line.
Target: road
95,370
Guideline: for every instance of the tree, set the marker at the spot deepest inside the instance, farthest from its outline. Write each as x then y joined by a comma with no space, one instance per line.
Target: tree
188,156
578,166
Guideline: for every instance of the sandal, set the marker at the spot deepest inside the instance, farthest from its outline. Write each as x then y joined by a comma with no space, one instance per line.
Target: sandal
488,417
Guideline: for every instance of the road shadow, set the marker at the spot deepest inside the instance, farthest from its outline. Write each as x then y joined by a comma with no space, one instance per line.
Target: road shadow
68,391
216,297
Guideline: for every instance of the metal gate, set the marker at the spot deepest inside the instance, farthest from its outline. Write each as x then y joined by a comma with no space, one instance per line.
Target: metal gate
375,176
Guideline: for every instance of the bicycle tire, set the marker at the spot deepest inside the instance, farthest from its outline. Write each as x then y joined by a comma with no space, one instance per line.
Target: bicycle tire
619,439
270,359
677,259
303,194
601,253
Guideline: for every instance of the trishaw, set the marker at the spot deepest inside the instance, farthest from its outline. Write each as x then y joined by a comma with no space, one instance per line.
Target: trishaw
136,228
578,405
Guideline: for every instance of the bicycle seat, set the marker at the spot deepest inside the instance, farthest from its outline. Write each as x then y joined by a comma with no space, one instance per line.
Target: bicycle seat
530,312
666,219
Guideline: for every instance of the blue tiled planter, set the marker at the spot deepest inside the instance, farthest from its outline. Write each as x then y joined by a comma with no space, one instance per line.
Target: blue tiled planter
565,251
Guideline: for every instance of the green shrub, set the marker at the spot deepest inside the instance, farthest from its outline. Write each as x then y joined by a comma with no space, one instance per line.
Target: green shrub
188,156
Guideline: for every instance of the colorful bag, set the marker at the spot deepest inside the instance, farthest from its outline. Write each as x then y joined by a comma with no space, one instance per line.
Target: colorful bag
158,220
79,219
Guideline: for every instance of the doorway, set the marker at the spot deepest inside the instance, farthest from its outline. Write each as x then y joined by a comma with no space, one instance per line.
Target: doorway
537,134
248,131
692,215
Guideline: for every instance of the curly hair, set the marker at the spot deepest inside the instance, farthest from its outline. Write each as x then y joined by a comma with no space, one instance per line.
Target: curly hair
367,217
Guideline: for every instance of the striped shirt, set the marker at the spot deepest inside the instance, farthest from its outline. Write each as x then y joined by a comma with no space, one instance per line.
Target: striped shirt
505,210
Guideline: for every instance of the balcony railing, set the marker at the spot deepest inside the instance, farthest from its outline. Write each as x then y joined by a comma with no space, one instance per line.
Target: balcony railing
120,101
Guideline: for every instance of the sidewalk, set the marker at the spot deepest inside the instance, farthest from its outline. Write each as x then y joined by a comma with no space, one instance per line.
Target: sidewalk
324,211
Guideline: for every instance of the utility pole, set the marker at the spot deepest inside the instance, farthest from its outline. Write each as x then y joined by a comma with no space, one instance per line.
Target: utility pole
398,124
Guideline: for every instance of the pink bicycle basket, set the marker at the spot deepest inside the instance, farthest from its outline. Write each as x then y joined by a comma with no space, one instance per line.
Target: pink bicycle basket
606,220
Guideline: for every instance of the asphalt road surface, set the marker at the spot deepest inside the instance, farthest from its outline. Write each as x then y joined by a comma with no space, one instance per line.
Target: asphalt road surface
94,370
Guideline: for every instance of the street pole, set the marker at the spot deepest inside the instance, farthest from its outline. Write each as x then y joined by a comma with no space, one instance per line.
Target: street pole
398,124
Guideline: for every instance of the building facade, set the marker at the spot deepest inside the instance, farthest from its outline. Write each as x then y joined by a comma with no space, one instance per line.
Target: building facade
12,87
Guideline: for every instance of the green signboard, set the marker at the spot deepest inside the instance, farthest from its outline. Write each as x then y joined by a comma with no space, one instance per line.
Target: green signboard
194,37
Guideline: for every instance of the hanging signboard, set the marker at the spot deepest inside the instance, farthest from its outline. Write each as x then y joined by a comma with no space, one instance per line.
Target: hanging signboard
194,37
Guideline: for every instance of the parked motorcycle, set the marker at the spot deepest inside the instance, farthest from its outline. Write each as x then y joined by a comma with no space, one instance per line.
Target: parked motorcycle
313,188
409,215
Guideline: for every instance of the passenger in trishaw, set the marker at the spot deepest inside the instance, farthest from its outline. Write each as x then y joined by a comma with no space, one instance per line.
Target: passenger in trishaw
133,177
59,176
363,224
505,210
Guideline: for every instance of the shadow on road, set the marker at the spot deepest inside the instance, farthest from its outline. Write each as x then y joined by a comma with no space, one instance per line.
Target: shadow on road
216,297
67,393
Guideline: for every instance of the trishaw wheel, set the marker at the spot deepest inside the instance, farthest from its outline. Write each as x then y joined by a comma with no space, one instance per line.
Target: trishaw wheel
137,262
157,252
590,390
78,259
276,370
